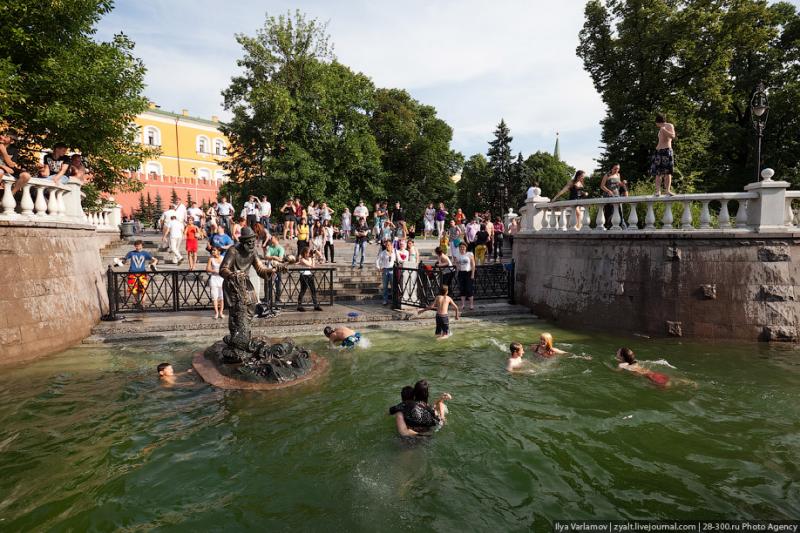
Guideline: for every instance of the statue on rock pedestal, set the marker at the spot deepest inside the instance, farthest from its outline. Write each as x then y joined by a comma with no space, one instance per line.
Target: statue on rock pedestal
239,352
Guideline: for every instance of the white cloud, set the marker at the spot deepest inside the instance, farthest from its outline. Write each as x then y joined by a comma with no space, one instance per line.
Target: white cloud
475,61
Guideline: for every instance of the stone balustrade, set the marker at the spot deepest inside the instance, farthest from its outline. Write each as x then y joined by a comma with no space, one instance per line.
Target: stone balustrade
765,206
43,200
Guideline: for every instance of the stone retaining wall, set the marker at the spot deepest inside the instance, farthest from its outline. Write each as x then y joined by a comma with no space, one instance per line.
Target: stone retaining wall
53,287
718,287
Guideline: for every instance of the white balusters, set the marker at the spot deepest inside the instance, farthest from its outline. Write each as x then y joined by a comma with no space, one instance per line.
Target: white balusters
724,216
61,206
615,217
600,221
686,216
633,219
52,203
705,217
40,204
9,204
666,218
26,203
562,220
741,215
650,217
553,220
573,219
586,225
546,219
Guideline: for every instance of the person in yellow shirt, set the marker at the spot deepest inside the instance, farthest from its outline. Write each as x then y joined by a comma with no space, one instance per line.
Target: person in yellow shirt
302,236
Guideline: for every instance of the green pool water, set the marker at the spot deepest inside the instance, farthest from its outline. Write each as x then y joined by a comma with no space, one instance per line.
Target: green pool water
89,439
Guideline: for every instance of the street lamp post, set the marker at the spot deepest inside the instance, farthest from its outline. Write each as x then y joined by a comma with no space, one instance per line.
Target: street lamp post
759,110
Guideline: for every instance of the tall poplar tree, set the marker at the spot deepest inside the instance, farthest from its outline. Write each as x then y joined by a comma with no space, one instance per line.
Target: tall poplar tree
501,166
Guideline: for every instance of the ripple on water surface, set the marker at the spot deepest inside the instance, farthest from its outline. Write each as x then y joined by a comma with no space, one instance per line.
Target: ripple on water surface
90,440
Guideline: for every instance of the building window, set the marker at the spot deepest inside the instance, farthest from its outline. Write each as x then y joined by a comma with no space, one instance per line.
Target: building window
152,136
219,147
203,145
219,175
154,169
203,174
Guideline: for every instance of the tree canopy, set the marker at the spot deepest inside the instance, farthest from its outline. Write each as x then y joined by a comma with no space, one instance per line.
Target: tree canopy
57,84
305,124
697,62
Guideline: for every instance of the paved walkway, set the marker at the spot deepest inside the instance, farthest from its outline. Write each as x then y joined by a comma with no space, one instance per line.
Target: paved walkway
202,323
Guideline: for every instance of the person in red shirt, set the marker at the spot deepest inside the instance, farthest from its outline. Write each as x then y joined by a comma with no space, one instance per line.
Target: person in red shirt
191,234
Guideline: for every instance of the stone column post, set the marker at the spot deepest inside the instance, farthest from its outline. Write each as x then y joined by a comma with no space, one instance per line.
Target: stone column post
768,212
72,202
532,217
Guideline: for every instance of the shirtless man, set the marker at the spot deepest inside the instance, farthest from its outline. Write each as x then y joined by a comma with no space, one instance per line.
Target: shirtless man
442,305
168,376
345,337
515,359
663,159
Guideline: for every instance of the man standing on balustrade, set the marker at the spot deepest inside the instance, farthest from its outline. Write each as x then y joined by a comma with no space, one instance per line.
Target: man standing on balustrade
9,162
663,163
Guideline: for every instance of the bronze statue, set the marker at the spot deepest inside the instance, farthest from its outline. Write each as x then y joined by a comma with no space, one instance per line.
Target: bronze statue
253,357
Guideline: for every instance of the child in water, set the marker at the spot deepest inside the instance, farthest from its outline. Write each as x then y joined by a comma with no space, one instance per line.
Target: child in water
627,361
515,359
545,347
442,305
167,374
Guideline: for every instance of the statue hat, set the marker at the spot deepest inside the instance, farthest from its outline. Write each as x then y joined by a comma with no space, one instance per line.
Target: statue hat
247,234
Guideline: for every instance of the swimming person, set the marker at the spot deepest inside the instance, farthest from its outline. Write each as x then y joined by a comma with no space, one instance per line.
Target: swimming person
515,359
345,336
442,305
545,347
167,374
627,361
417,417
406,399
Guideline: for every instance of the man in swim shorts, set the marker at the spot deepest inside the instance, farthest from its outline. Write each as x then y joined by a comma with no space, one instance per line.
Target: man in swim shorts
345,336
663,163
442,305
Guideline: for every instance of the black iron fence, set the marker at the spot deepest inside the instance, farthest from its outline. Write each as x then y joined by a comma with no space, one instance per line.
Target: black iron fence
417,287
189,290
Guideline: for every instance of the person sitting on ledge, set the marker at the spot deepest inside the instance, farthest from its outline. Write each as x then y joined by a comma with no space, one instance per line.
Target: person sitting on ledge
627,361
545,347
167,374
346,336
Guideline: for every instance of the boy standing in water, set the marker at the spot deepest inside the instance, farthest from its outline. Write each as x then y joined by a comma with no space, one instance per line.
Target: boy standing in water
442,305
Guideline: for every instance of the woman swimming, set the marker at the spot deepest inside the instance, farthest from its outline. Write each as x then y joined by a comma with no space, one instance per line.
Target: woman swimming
545,347
414,416
627,361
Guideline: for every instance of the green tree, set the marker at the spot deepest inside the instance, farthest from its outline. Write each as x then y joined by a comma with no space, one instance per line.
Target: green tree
501,165
151,209
476,180
189,198
696,61
159,207
416,154
549,172
173,198
300,121
58,84
141,212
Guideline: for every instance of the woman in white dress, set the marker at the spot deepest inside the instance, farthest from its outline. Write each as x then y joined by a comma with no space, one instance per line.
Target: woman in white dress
215,282
346,218
430,212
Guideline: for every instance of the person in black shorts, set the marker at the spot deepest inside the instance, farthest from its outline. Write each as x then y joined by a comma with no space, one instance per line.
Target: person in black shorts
442,305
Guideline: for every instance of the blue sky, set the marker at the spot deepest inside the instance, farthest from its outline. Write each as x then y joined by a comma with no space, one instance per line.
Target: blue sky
475,61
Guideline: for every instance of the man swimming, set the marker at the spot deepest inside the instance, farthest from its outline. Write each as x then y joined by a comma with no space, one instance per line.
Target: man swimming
627,361
167,374
346,337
